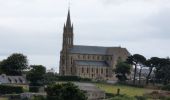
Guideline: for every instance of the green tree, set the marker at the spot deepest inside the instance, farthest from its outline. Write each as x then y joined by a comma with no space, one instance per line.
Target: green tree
36,75
50,78
64,91
14,64
162,70
136,60
122,69
151,63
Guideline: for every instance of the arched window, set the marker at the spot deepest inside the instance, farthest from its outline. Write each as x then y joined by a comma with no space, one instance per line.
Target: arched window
87,70
82,70
102,70
98,57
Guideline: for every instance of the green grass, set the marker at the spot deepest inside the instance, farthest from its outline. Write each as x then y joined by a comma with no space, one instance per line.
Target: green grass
128,90
1,98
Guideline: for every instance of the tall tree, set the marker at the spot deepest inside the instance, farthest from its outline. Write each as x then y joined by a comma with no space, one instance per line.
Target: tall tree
14,64
36,74
122,70
135,60
151,63
64,91
162,70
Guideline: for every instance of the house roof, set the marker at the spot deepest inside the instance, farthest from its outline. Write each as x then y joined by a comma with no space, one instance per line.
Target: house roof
12,79
92,63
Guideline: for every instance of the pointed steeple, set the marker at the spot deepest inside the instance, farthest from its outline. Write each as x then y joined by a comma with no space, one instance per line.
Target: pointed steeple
68,23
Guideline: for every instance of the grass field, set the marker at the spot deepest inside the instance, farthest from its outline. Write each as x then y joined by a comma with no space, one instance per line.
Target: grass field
3,98
128,90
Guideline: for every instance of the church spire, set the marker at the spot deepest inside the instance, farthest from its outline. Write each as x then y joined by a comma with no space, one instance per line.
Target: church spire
68,33
68,22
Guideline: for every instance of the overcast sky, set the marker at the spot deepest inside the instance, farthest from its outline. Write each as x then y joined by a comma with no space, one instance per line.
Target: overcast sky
35,27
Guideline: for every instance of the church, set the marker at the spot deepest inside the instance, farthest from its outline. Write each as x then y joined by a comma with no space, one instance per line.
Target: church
94,62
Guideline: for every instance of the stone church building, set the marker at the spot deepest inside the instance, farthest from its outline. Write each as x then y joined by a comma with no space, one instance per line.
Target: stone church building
94,62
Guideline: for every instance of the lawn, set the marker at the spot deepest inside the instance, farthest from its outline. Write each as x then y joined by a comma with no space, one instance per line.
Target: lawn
3,98
128,90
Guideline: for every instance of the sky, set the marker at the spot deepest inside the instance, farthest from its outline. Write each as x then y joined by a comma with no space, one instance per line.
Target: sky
35,27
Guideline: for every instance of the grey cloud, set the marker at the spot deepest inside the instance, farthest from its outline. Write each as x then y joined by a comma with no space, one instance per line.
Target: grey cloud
34,27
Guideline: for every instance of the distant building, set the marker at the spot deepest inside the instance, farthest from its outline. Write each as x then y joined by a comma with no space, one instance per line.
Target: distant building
5,79
93,62
91,91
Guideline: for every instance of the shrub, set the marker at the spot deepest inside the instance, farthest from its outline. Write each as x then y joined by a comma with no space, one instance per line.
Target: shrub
166,87
13,96
34,89
65,91
39,98
68,78
6,89
109,95
72,78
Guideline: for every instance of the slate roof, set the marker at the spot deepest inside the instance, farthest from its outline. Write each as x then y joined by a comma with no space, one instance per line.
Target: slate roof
92,63
4,79
96,50
88,49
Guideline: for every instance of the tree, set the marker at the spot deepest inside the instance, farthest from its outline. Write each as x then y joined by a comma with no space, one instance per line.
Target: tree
122,69
14,64
0,68
36,75
151,63
136,60
64,91
163,70
50,78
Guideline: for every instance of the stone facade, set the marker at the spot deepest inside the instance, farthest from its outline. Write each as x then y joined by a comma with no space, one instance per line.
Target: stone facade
88,61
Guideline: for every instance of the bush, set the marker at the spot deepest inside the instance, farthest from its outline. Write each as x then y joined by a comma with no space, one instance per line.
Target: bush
34,89
65,91
72,78
166,87
68,78
109,95
13,96
6,89
39,98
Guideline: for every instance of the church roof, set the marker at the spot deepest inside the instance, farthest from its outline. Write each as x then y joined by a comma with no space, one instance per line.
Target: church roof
97,50
88,50
92,63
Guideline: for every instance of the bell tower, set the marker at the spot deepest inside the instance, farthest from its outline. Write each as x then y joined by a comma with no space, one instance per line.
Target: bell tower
68,33
67,44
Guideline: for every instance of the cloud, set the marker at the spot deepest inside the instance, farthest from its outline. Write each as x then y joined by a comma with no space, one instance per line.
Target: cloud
35,27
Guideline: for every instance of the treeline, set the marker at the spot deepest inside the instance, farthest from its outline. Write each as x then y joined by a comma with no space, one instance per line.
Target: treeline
17,64
160,67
